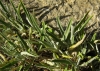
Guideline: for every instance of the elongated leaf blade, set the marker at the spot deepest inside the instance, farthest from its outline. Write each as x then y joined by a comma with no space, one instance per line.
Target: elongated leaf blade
66,33
44,65
81,22
60,27
7,64
4,23
86,22
24,44
45,43
77,44
55,38
65,61
50,49
3,7
72,34
16,11
31,19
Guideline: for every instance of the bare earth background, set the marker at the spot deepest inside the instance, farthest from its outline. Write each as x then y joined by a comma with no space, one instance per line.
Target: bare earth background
48,10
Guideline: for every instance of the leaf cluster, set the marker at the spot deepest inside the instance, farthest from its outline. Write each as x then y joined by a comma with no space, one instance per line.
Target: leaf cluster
26,45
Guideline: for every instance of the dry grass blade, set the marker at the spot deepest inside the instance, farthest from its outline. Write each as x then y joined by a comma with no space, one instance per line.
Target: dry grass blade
77,44
3,57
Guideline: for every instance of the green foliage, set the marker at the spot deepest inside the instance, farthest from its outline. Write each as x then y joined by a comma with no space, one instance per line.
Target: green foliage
21,43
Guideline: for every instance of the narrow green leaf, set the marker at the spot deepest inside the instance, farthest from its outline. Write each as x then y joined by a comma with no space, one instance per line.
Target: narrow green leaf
9,16
28,16
81,22
12,22
25,10
66,33
20,67
3,36
45,43
84,24
5,50
60,27
65,61
90,61
34,23
44,26
50,49
16,11
55,37
27,67
3,7
94,36
8,40
44,65
4,23
31,19
8,64
24,44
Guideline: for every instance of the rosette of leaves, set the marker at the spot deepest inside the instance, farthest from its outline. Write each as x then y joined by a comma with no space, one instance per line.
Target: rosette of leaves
29,46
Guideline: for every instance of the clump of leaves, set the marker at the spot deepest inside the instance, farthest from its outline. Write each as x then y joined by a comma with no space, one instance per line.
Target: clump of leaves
26,45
